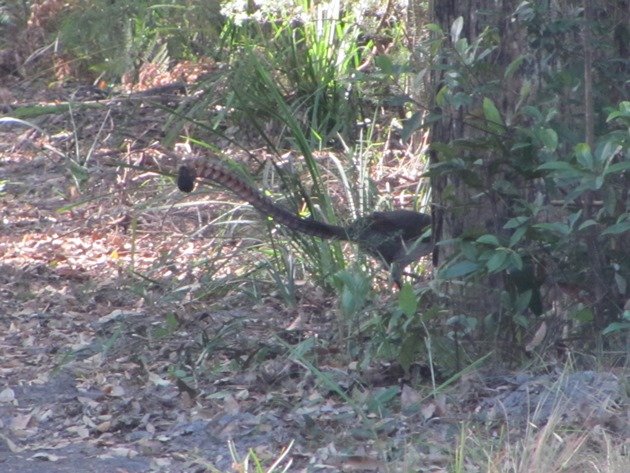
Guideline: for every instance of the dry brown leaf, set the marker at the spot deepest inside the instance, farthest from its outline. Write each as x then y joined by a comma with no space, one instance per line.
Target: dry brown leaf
21,422
409,398
104,426
538,338
7,396
428,410
230,405
440,404
120,452
359,463
50,457
12,446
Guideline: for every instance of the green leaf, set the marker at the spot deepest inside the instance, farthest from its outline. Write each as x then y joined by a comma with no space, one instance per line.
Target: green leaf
411,125
521,320
584,156
407,300
460,100
469,250
617,228
549,138
574,217
522,301
533,112
384,63
558,166
488,239
497,261
409,350
515,222
491,112
515,261
526,88
440,97
555,227
434,28
622,284
616,327
457,270
610,200
513,66
517,236
587,223
378,402
456,28
354,289
617,167
584,315
624,111
461,45
606,151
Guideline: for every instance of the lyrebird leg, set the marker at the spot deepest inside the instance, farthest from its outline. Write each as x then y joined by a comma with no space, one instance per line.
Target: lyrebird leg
408,253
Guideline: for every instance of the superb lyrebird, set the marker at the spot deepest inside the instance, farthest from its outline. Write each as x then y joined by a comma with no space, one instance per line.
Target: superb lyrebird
396,236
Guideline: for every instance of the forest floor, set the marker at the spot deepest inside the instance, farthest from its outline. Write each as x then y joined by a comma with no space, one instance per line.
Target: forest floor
110,362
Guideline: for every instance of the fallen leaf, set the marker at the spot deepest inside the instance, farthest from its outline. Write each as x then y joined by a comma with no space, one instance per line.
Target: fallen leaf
409,398
8,396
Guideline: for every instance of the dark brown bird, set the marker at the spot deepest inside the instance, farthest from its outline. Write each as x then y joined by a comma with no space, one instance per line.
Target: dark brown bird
394,236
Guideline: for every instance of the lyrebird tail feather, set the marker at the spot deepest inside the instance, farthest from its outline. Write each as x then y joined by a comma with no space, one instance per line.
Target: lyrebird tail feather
215,171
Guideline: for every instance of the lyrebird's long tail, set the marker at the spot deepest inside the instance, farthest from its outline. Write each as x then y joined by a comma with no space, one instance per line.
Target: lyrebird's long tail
215,171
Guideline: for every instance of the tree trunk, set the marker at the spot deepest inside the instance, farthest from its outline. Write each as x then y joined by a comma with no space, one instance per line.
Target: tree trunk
507,109
470,209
